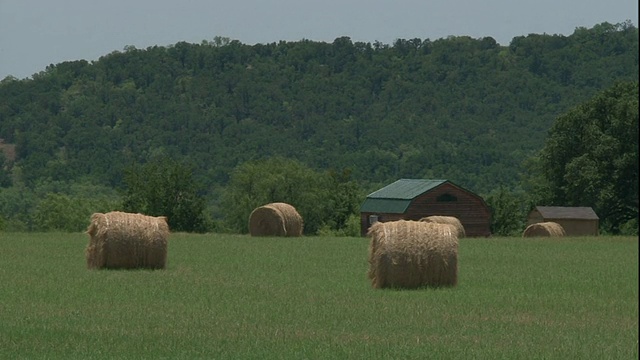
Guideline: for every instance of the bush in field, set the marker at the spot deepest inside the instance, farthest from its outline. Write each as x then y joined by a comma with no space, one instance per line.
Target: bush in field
324,200
16,204
630,227
60,212
351,228
509,210
165,187
54,205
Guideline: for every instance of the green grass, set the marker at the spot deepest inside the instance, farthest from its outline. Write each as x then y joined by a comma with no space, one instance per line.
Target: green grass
237,297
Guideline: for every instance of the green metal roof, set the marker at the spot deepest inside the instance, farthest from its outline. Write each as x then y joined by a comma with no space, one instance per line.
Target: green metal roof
396,197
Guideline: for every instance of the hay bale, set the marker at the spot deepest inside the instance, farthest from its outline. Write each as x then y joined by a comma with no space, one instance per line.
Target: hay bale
546,229
451,220
121,240
412,254
275,219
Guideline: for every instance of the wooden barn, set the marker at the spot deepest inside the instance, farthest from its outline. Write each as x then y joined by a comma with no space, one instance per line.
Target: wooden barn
413,199
575,220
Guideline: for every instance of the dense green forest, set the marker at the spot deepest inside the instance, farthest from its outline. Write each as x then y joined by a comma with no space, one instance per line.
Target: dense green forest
359,115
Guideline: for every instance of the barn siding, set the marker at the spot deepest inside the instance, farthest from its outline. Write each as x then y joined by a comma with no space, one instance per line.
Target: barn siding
469,209
577,227
572,227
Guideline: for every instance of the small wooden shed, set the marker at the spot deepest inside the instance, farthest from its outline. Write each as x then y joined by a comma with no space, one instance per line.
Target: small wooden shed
574,220
413,199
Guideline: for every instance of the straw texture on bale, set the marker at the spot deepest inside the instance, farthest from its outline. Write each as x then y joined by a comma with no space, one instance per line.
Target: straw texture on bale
120,240
275,219
548,229
412,254
451,220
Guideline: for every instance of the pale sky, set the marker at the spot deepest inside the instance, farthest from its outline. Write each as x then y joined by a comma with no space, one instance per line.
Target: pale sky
36,33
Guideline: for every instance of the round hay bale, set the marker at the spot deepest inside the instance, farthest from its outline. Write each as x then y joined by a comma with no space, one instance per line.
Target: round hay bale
544,229
450,220
120,240
412,254
275,219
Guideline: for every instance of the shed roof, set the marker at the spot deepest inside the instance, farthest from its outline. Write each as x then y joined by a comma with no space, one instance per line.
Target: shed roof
565,212
396,197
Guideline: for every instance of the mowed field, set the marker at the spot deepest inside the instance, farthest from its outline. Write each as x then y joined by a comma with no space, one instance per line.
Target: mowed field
238,297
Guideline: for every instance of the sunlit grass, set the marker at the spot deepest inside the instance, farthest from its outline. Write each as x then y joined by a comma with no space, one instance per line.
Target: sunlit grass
237,297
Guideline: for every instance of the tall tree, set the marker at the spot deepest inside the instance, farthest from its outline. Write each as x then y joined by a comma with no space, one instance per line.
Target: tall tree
508,211
165,187
591,156
5,171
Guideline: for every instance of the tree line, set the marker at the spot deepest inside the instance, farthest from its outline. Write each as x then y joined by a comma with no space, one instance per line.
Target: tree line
344,115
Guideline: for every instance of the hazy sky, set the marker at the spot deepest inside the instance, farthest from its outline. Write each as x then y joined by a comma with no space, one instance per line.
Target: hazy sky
36,33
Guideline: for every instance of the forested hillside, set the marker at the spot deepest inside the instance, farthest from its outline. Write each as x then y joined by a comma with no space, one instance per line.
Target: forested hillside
458,108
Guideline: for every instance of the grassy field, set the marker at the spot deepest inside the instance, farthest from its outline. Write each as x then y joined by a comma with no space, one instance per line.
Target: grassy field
237,297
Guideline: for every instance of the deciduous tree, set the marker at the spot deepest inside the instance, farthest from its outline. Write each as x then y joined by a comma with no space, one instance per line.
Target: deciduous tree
591,156
165,187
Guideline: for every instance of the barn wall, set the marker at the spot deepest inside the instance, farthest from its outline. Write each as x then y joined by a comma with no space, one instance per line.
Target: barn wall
469,209
572,227
578,227
384,217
